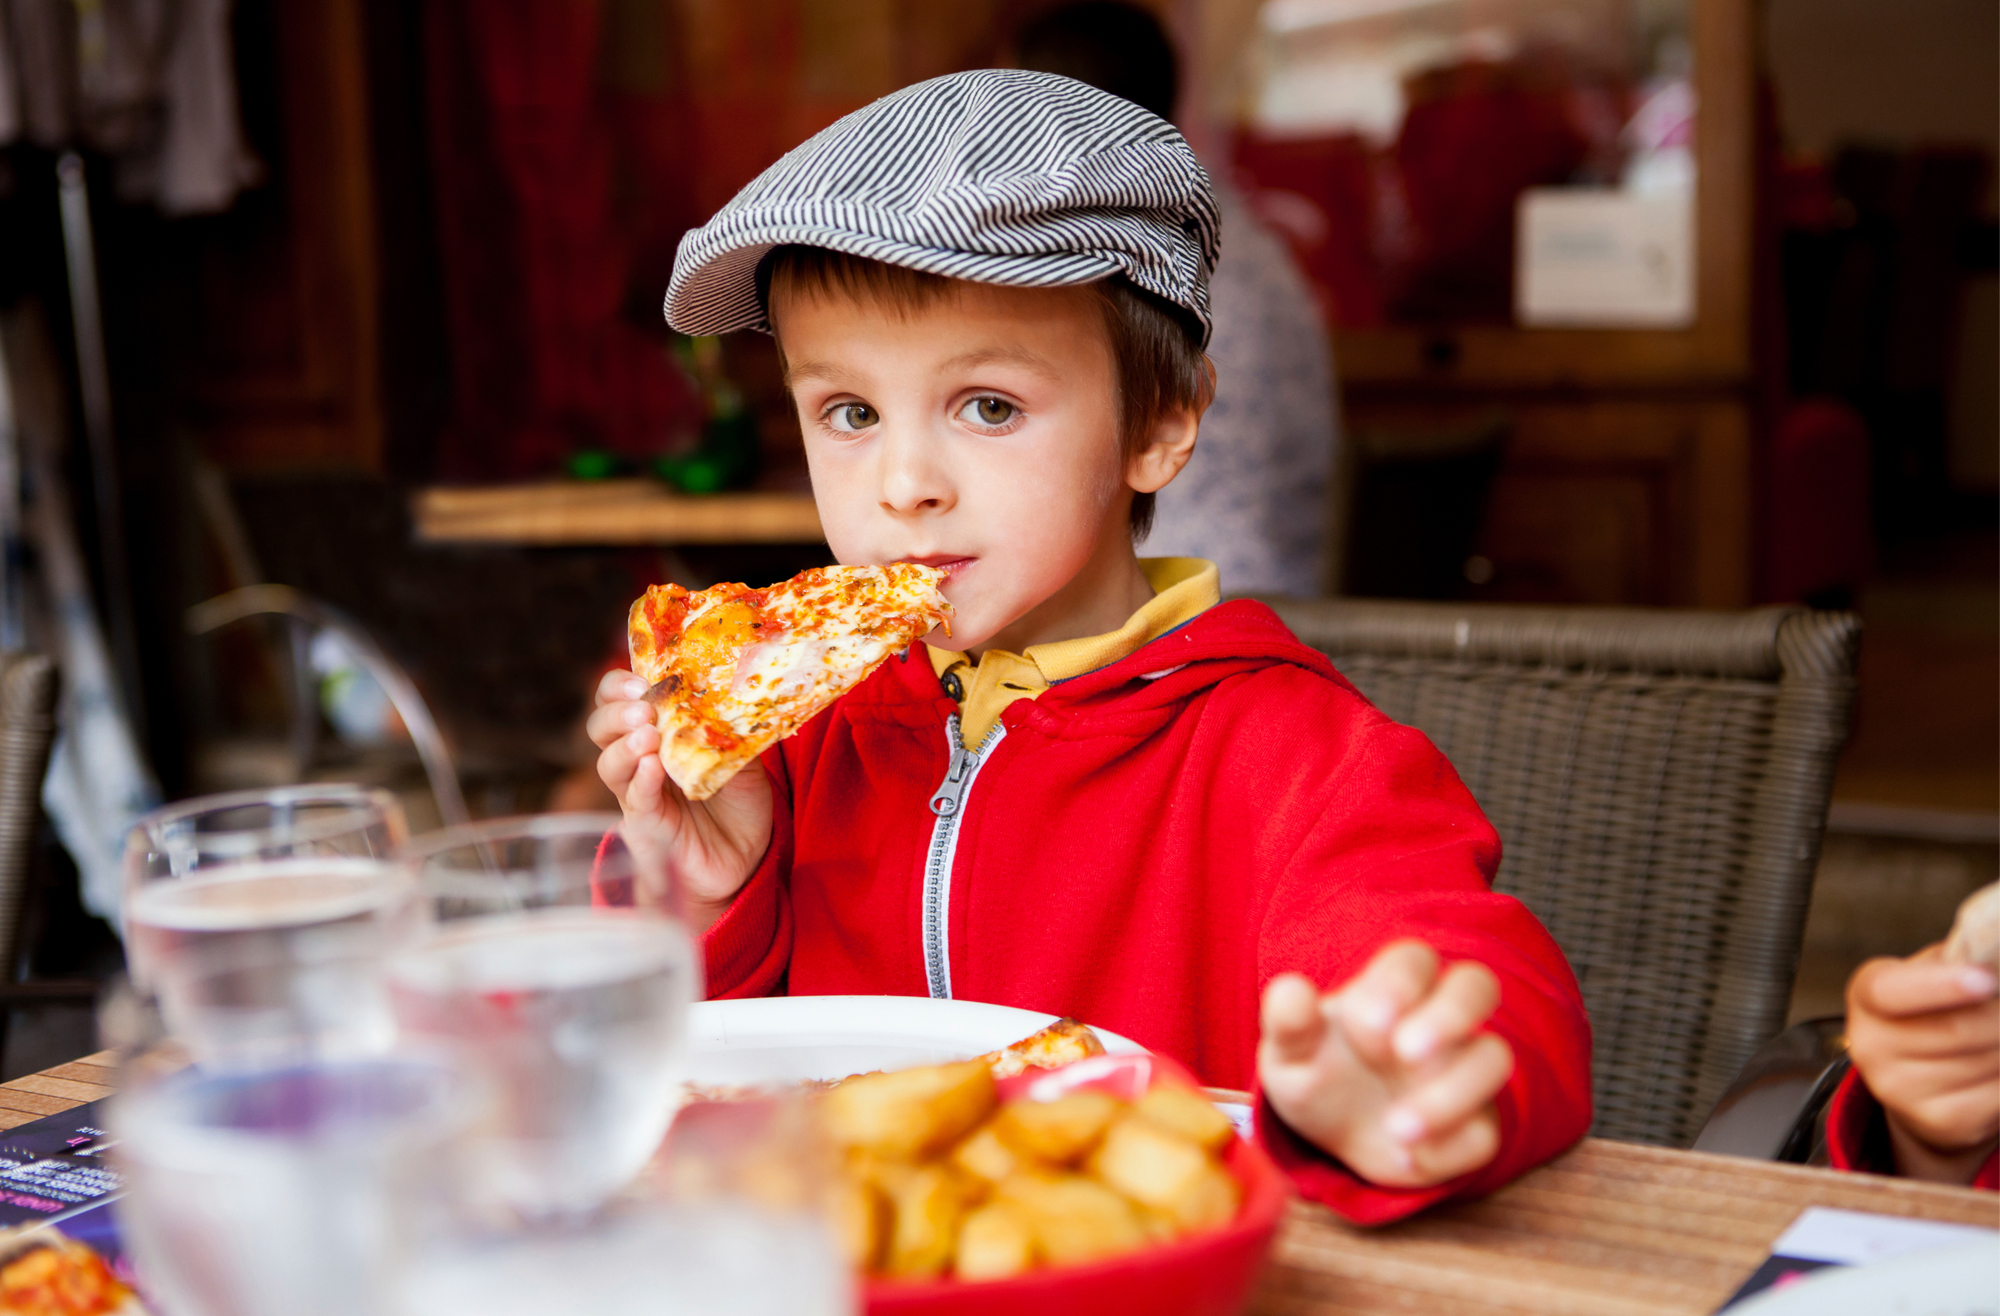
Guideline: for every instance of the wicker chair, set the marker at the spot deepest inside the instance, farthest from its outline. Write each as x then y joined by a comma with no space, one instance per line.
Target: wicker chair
28,685
1659,780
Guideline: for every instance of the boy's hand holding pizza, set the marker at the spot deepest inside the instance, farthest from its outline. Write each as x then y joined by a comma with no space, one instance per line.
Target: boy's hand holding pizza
713,844
1390,1071
719,677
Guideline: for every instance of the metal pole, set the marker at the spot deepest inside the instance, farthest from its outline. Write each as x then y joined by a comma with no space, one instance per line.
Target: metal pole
94,382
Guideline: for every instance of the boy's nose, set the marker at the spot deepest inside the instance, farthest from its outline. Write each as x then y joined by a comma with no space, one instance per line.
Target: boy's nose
914,480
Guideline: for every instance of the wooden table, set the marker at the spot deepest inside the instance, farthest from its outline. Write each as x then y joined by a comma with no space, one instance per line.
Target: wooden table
611,512
1608,1229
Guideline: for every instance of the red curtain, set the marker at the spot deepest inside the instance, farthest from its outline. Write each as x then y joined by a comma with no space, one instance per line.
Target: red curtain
537,261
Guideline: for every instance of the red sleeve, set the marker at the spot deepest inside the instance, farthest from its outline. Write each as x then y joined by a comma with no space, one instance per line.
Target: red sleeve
747,950
1856,1138
1401,850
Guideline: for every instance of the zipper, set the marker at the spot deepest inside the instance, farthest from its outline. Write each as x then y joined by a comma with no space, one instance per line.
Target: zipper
948,803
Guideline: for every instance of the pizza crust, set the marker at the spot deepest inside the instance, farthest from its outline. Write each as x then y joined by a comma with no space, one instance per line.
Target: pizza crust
694,767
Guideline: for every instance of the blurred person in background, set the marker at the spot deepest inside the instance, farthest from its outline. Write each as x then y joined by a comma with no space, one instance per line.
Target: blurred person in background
1253,499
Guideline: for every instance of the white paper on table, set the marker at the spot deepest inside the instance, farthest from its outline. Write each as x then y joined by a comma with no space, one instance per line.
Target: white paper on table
1855,1238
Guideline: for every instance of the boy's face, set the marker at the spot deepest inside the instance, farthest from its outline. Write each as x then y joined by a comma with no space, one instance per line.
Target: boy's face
978,433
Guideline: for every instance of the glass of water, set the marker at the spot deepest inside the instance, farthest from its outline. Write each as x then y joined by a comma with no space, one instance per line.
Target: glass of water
657,1260
261,920
562,975
301,1191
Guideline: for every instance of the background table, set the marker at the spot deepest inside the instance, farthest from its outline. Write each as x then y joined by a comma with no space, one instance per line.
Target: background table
604,512
1607,1229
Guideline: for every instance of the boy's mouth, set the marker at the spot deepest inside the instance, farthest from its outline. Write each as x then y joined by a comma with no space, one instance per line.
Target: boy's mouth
951,565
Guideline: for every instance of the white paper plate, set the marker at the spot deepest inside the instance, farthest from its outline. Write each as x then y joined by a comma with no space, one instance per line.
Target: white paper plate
784,1039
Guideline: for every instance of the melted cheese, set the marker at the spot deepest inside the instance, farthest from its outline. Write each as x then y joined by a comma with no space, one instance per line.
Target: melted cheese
740,668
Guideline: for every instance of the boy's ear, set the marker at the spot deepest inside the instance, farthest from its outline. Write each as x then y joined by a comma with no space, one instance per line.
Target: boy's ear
1154,466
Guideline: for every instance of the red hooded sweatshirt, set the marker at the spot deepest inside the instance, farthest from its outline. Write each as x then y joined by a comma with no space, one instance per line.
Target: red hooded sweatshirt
1144,847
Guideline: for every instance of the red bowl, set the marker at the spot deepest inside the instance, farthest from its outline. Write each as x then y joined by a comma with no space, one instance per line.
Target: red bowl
1207,1275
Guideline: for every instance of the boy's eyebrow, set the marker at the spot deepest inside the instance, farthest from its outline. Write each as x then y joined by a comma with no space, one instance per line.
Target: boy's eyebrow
1004,356
826,372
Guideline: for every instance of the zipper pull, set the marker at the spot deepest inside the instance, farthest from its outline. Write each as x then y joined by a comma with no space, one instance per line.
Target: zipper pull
951,792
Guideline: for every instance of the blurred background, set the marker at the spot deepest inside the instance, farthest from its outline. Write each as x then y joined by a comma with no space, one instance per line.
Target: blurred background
1640,302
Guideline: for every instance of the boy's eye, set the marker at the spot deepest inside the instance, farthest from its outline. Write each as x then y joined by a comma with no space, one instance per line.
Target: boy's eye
989,411
851,416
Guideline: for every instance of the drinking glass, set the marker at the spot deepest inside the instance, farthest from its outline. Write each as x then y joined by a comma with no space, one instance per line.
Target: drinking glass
299,1191
261,920
560,973
726,1259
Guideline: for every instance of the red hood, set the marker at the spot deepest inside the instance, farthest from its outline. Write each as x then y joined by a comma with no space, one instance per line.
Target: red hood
1227,640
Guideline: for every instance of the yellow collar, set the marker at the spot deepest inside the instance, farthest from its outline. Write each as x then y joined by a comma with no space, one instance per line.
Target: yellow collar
1183,588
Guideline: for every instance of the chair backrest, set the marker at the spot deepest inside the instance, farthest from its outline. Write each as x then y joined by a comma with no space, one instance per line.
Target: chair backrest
1659,780
27,730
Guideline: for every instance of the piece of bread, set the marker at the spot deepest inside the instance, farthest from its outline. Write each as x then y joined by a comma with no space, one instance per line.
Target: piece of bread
1975,933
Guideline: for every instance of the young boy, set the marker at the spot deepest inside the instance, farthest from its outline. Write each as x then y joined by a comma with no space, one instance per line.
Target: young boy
1106,794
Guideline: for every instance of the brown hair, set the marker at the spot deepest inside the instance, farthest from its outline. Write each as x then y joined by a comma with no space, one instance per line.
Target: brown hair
1155,346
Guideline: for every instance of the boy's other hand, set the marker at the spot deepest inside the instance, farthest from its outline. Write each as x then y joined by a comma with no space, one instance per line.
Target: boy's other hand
1390,1072
713,844
1925,1034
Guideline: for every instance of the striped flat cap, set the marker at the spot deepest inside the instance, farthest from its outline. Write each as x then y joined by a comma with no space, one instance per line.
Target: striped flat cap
996,176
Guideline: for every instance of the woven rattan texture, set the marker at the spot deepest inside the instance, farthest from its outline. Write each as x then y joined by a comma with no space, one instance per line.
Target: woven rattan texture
27,729
1659,782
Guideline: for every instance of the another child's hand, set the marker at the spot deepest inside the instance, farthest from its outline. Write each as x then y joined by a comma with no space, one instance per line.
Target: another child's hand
1925,1035
1390,1072
713,844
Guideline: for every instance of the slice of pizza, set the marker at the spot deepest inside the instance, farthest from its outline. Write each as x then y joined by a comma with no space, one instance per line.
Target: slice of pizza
734,670
1057,1045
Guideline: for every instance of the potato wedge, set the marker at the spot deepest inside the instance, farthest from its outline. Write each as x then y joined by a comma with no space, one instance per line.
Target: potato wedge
994,1242
1057,1132
911,1113
926,1204
1167,1174
860,1222
1183,1111
1073,1219
984,1157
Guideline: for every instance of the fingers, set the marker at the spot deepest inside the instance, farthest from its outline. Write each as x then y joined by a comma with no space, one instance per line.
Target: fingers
1466,1085
607,722
645,797
1461,1151
1949,1106
1968,1030
1900,989
1465,997
1374,1000
1293,1023
618,685
624,756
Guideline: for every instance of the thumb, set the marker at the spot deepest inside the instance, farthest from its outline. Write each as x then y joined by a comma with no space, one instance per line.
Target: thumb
1293,1024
